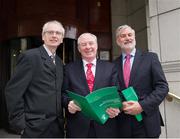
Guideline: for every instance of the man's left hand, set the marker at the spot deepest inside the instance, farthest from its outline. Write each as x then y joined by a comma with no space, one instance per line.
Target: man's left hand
132,107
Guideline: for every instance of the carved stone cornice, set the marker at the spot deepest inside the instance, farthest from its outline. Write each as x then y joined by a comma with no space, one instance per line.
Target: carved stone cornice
172,66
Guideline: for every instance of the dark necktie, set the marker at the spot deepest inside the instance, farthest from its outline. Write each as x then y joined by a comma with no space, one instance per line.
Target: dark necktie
90,77
127,69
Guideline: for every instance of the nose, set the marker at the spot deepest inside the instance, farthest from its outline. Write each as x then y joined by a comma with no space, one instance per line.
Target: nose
127,37
54,34
88,46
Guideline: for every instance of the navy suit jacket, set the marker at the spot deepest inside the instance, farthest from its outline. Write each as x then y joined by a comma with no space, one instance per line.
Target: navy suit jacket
149,82
75,80
33,94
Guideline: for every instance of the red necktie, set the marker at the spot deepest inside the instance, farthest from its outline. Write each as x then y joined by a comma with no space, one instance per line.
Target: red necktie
127,69
90,77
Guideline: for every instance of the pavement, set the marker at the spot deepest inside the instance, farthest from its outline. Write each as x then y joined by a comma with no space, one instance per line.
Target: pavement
6,134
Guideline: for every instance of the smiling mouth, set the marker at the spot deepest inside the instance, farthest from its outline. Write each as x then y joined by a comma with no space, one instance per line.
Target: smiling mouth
53,40
90,52
127,42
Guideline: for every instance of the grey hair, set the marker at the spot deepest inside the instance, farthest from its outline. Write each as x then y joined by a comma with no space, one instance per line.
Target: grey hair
82,35
45,26
122,27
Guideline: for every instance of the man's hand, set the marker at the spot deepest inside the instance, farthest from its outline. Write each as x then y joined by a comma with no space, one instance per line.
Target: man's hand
132,107
22,131
112,112
73,108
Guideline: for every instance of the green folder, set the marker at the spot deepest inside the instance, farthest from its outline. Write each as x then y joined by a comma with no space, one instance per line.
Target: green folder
130,94
94,105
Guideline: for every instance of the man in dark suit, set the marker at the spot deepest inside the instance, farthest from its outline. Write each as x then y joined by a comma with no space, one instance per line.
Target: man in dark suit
76,80
147,78
33,94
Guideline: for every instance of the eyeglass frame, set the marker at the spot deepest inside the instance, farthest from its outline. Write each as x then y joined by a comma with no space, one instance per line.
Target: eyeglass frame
51,32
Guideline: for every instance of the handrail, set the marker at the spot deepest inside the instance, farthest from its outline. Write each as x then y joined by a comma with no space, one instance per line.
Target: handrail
172,96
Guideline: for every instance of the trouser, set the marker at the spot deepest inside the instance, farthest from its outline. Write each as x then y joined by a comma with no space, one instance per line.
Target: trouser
129,127
91,132
53,130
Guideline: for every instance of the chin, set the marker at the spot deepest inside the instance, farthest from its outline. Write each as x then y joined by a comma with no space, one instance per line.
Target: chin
89,58
128,47
55,45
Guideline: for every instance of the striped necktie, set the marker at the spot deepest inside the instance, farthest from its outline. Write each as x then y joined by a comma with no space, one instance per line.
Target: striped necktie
53,58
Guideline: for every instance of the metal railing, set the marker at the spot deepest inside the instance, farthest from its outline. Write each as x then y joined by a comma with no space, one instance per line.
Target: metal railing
170,97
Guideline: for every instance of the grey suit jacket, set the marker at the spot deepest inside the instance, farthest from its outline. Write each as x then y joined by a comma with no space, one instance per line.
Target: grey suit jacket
33,94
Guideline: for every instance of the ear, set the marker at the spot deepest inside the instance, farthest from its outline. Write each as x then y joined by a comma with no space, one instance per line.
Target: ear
79,49
61,41
43,37
117,40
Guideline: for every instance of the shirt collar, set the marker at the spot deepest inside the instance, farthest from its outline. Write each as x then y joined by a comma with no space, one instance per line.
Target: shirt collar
47,50
132,53
93,62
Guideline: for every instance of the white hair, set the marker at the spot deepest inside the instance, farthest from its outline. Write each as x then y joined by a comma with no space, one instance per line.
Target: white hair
122,27
45,26
84,34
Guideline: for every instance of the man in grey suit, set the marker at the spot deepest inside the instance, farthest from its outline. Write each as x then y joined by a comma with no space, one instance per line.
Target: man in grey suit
76,80
33,94
147,78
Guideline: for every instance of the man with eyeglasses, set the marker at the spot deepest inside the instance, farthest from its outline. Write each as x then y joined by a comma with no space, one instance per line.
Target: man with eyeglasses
33,94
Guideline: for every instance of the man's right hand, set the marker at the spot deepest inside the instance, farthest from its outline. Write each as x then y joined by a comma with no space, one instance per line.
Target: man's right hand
21,133
73,108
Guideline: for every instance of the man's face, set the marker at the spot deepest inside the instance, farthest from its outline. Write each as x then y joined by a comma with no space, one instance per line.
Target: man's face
126,40
52,37
88,47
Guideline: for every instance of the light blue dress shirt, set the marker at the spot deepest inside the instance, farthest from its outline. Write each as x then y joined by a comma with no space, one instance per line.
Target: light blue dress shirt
132,57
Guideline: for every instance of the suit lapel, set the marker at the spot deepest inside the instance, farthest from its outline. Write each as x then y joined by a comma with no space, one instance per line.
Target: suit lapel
135,66
59,68
47,61
80,76
98,74
120,71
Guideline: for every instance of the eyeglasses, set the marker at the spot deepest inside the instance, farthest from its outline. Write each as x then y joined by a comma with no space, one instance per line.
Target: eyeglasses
50,32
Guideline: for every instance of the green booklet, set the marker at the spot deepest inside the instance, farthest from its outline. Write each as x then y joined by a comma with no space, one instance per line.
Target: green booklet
130,94
94,105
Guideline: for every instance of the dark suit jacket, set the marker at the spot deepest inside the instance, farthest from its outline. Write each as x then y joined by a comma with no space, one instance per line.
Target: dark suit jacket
33,94
75,80
149,82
